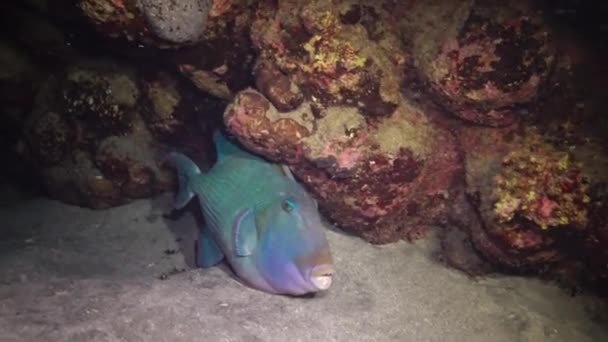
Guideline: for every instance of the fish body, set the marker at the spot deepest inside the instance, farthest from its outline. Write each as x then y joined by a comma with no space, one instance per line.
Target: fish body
257,218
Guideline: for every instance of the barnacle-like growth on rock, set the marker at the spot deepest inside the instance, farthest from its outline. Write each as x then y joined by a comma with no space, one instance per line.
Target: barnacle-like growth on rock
104,99
542,185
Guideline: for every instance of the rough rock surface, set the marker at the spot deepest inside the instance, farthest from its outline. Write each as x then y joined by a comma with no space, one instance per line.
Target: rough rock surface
512,245
383,180
334,53
329,105
89,138
207,41
535,207
556,231
177,22
481,59
338,85
19,80
160,23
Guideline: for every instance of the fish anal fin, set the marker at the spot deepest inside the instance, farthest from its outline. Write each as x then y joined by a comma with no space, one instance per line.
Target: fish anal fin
208,253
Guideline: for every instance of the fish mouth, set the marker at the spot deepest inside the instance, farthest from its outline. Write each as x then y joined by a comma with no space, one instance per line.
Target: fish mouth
321,277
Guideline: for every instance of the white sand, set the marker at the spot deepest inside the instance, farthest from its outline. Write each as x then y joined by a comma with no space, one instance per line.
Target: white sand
71,274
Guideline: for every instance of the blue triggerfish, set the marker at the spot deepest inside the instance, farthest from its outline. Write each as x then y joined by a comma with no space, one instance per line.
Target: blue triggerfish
258,218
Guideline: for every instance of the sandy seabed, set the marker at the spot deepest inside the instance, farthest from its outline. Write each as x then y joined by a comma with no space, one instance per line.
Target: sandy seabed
73,274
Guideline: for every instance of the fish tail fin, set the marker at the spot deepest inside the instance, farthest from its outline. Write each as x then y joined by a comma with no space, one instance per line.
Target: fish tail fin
186,170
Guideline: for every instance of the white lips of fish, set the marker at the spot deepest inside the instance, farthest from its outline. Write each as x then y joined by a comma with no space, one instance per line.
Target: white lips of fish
321,277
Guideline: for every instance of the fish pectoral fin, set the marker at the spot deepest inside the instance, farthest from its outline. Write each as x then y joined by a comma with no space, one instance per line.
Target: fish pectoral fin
208,252
245,233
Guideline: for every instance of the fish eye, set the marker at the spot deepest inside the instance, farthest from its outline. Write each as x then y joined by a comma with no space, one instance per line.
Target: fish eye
288,205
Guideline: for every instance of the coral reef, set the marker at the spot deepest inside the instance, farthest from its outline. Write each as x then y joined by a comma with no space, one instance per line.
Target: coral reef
512,243
369,103
329,105
487,60
177,22
328,53
221,63
534,195
534,206
163,24
49,136
149,22
207,41
103,101
167,111
383,180
540,185
177,115
89,137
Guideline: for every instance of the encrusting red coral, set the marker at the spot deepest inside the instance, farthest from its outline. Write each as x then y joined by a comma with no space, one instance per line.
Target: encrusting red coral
541,185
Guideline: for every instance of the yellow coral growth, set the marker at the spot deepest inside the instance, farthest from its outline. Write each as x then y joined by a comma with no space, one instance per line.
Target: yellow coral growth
326,55
327,60
540,184
325,20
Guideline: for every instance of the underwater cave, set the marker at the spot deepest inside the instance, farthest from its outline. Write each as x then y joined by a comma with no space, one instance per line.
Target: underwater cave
325,170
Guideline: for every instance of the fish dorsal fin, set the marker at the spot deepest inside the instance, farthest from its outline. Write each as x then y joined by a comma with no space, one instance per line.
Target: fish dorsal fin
224,147
245,234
